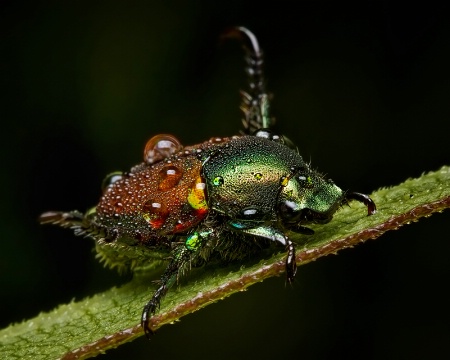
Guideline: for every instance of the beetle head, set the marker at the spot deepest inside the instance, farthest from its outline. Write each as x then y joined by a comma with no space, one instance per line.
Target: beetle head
307,197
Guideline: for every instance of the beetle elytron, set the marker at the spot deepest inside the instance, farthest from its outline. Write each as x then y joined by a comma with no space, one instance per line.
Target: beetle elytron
216,198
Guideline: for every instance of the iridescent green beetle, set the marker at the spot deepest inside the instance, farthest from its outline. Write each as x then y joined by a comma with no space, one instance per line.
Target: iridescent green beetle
220,197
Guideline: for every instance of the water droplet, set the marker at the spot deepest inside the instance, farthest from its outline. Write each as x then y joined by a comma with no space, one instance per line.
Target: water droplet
111,179
160,147
154,213
170,176
216,140
218,180
249,212
200,186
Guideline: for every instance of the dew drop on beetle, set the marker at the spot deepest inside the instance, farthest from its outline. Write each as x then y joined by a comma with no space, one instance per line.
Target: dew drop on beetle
170,176
160,147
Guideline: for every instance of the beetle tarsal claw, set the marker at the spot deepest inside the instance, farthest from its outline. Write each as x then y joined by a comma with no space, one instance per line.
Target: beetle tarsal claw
149,310
365,199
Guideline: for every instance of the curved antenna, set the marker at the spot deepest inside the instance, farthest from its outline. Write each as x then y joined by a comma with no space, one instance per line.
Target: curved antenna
255,102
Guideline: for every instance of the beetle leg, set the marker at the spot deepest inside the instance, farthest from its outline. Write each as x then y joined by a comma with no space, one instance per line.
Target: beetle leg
71,219
181,256
299,229
256,101
273,234
81,224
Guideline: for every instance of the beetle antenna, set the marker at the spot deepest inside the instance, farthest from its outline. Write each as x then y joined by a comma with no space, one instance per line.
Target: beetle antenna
255,102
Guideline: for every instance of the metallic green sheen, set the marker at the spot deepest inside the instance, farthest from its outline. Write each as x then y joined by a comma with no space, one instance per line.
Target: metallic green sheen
251,168
193,242
312,191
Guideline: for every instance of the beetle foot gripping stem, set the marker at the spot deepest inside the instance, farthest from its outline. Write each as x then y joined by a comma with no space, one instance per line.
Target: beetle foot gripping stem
278,237
150,308
180,258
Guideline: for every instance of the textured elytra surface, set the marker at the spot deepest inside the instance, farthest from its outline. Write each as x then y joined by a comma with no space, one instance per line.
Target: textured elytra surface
250,170
150,202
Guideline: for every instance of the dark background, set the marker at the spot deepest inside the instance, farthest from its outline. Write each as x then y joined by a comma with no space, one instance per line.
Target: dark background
361,88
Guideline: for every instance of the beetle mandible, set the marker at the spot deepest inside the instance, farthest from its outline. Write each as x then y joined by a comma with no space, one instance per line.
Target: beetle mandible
218,197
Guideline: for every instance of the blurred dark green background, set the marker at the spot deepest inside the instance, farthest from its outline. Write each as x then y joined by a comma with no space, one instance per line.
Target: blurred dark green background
362,88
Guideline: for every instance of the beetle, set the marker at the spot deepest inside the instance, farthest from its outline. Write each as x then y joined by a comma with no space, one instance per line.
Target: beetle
186,204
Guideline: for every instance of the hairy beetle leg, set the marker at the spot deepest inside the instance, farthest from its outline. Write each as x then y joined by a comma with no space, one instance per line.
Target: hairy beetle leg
181,256
71,219
256,101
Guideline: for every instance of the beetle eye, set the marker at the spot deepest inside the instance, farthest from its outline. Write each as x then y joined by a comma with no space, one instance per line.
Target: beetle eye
288,212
